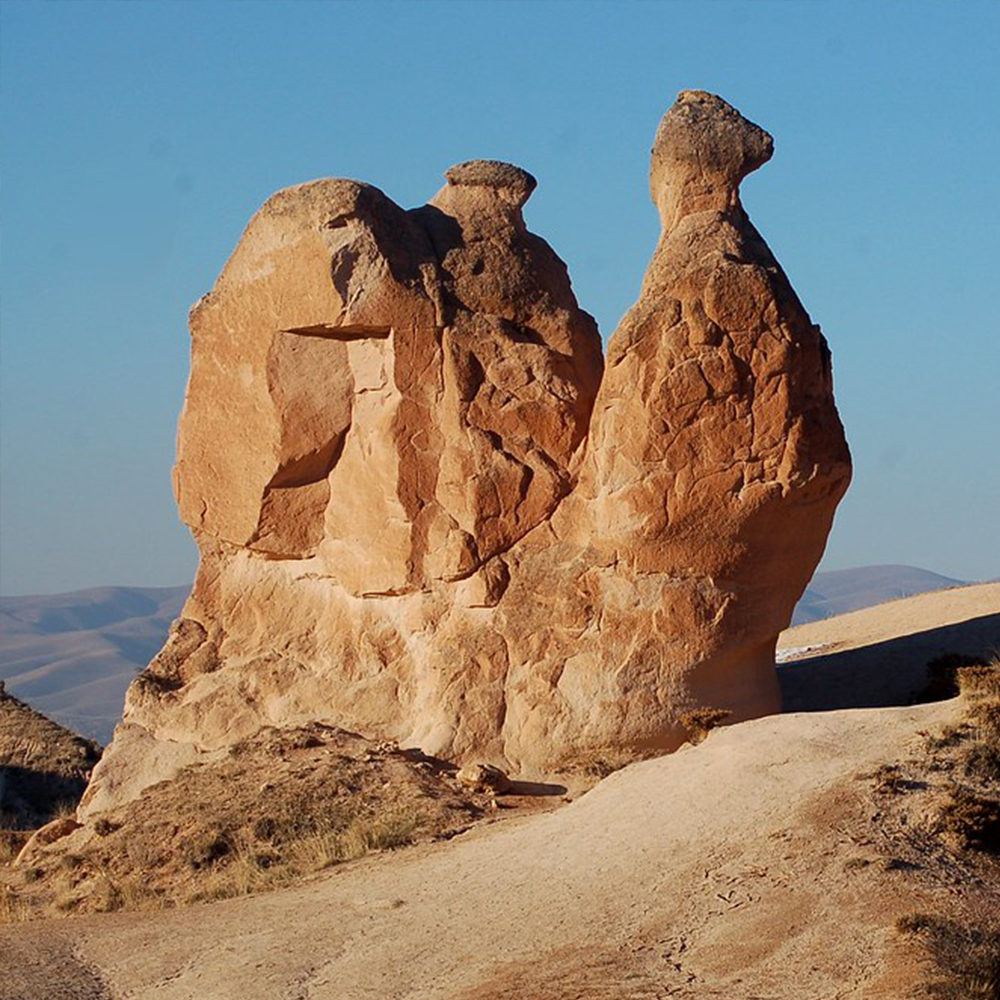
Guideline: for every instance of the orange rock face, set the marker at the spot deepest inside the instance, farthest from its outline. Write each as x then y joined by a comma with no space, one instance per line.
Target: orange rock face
426,509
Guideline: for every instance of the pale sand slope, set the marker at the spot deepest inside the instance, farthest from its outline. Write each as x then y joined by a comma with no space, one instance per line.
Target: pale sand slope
881,622
878,656
716,872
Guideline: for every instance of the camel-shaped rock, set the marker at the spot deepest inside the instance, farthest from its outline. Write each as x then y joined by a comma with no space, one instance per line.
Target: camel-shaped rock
429,512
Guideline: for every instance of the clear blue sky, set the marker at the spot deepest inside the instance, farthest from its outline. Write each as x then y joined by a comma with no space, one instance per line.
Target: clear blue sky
138,138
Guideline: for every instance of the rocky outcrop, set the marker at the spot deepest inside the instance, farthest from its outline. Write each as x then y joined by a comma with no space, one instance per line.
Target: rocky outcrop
426,513
44,768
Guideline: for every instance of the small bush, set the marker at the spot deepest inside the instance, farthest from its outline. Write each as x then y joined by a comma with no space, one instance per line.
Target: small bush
985,716
982,762
916,923
13,909
980,681
605,762
11,842
67,901
966,958
104,827
973,820
380,834
950,736
942,675
205,850
245,868
889,781
701,721
64,809
128,894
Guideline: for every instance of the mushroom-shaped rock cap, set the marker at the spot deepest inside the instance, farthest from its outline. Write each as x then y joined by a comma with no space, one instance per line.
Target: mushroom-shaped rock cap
513,183
704,147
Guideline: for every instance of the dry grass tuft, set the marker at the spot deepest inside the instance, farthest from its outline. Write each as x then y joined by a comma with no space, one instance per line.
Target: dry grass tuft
889,780
246,868
11,842
13,909
985,717
128,894
971,820
701,721
981,681
942,675
950,736
982,762
966,959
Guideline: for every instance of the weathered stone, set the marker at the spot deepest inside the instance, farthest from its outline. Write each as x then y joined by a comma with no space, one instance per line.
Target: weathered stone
54,830
424,516
484,777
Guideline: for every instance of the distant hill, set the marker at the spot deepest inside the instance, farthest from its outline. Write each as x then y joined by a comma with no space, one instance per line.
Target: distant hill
72,655
843,590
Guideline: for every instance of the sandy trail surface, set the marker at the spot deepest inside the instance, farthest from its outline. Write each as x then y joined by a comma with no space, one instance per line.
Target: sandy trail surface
727,870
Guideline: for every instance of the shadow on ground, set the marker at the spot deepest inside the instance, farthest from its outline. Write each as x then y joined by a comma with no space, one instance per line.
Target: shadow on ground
887,673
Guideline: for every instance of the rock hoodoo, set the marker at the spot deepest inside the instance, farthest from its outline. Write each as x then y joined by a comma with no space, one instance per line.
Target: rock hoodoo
427,512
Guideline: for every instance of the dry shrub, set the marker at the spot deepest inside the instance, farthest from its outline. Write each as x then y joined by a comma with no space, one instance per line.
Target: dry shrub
942,675
245,867
701,721
889,780
966,958
205,848
982,762
985,716
950,736
362,835
11,842
247,870
972,820
64,809
128,894
13,909
980,681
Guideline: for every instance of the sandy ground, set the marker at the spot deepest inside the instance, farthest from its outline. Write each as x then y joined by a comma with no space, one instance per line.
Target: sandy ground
878,656
907,616
734,869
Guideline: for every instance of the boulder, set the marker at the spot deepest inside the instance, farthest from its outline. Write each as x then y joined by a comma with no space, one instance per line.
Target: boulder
428,512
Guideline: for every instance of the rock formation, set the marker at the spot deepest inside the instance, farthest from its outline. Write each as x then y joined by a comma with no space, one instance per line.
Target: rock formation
425,516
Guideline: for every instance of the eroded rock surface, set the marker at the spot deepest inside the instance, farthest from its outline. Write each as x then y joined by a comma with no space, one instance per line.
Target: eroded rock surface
425,511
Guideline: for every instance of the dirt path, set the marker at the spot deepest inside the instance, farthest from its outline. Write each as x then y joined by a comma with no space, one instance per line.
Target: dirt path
718,871
742,869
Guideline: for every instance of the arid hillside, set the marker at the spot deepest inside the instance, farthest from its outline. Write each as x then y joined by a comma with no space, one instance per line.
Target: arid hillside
812,854
43,767
73,655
